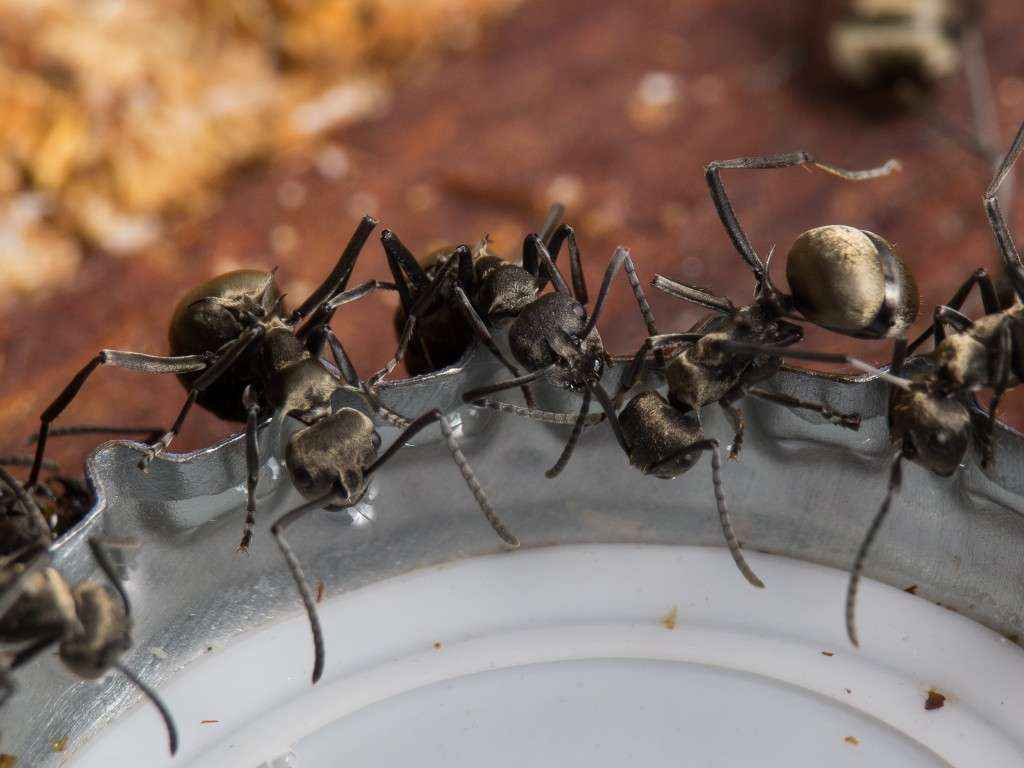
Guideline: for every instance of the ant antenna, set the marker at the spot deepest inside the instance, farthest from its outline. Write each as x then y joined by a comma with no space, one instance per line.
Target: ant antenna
895,479
165,713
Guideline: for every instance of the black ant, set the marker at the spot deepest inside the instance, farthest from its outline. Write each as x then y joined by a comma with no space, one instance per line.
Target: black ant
239,353
844,279
497,289
554,336
332,459
232,334
930,414
90,624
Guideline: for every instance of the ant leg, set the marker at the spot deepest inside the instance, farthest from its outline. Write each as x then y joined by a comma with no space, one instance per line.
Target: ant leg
1003,362
473,395
728,216
577,429
1004,239
226,357
609,411
29,652
156,701
411,279
134,361
735,415
545,417
406,271
26,461
339,276
895,479
723,509
537,260
252,465
422,302
693,295
480,329
822,357
98,547
468,475
325,312
341,358
554,244
150,433
846,420
277,531
620,257
989,300
658,342
547,233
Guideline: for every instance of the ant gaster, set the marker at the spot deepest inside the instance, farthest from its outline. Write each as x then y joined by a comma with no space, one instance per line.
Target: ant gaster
89,624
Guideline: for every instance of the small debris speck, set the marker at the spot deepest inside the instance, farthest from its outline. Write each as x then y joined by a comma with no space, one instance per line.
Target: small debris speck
670,619
437,645
160,653
830,654
911,590
7,761
852,740
208,722
847,690
209,648
935,700
60,744
319,590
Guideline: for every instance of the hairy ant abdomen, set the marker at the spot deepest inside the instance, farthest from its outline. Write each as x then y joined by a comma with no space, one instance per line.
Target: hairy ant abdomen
852,282
212,315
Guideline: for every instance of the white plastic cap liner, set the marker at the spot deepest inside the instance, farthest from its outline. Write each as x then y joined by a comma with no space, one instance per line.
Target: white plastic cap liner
568,656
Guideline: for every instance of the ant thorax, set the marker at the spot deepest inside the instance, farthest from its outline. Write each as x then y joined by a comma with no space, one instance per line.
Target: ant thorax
962,359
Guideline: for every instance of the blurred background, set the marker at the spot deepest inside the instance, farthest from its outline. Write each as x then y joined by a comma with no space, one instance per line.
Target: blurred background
146,147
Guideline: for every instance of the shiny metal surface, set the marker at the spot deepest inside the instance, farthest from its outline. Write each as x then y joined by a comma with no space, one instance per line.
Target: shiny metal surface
801,488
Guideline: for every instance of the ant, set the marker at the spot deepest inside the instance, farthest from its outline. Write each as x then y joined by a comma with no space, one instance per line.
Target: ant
498,289
930,414
239,353
90,624
844,279
554,336
332,459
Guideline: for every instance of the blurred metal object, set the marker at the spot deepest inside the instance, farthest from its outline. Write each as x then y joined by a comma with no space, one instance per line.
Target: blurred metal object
802,489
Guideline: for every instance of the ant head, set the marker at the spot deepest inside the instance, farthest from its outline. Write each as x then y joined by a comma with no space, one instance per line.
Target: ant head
935,429
332,455
105,632
851,281
505,289
660,436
